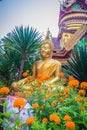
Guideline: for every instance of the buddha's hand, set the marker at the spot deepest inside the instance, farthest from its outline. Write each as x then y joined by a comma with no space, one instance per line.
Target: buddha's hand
14,86
54,80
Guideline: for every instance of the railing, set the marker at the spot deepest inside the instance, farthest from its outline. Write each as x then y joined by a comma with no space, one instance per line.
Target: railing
72,42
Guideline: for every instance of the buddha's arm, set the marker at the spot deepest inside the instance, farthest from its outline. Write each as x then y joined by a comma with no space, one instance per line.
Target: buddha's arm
34,70
22,81
57,71
14,85
53,80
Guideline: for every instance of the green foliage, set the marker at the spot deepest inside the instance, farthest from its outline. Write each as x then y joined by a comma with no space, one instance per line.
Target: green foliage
9,66
77,64
2,84
38,126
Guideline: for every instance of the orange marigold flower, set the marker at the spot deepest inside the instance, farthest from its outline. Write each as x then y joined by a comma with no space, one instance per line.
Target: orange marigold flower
64,79
55,118
53,104
70,125
71,78
44,77
30,120
79,99
81,92
25,74
74,83
66,90
47,77
29,77
27,71
82,108
67,118
19,102
83,85
61,74
44,120
4,90
35,106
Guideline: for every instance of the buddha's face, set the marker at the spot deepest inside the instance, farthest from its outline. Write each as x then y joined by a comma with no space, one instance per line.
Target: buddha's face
45,50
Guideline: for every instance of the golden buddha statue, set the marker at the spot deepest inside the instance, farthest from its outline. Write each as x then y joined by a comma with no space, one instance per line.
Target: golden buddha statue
47,65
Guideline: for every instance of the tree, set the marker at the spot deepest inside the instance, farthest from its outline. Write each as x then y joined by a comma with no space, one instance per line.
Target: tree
24,42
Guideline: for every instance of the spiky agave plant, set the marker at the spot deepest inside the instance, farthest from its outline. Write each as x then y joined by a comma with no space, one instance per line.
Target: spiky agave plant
77,64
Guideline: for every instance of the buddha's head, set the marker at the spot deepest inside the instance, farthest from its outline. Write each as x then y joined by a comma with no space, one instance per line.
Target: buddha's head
46,47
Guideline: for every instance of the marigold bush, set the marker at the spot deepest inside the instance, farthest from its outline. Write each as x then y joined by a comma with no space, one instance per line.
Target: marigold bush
54,106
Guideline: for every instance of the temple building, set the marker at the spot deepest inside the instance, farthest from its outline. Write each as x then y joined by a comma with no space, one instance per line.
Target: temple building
72,28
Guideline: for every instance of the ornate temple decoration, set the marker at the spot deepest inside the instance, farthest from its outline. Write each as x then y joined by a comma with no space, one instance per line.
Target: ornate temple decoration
72,28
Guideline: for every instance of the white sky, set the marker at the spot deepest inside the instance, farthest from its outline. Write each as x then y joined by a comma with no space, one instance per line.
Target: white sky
39,14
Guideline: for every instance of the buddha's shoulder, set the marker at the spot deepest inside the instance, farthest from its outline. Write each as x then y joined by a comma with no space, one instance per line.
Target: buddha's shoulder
37,62
56,61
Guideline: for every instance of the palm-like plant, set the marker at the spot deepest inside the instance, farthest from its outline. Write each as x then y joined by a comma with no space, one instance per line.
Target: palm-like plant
77,64
25,41
8,65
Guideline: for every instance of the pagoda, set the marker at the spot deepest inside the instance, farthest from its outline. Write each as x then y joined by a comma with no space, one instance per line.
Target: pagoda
72,28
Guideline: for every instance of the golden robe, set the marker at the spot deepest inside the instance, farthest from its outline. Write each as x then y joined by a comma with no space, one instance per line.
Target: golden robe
48,67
